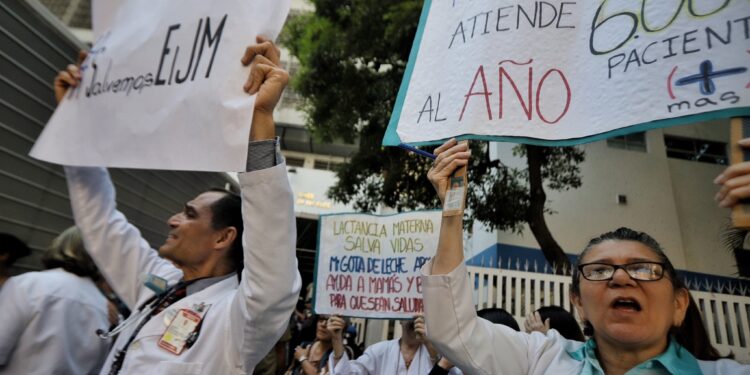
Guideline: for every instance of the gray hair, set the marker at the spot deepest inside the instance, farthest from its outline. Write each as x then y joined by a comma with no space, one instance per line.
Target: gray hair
67,252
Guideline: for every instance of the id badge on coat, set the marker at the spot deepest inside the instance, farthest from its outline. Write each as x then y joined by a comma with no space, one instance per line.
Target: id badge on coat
184,324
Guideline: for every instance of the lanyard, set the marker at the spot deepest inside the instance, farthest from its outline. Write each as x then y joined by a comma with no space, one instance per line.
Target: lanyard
144,314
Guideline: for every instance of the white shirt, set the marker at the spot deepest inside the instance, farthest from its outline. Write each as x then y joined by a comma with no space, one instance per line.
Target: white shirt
244,319
48,323
479,347
384,358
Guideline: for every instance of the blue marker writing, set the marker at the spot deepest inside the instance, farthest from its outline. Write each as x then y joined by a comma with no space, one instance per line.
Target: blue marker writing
417,151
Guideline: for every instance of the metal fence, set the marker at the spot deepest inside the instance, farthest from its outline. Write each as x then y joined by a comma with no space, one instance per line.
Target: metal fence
725,316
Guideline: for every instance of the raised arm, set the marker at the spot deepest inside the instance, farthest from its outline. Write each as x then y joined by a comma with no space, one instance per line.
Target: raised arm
270,281
450,252
116,246
473,344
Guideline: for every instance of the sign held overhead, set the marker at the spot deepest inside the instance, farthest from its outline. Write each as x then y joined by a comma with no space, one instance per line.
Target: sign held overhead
568,72
162,82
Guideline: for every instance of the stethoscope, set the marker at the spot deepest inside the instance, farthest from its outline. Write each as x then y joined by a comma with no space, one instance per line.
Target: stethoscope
145,310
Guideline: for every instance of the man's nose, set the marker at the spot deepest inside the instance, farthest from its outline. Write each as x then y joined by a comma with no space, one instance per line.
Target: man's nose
174,220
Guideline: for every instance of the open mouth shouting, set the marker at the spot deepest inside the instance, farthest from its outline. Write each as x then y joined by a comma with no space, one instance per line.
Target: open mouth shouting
626,304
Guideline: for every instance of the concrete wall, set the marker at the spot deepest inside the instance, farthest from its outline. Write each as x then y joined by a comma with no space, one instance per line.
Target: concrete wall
701,220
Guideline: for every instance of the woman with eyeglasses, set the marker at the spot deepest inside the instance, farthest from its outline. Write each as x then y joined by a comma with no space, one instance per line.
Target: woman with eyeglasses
312,358
624,288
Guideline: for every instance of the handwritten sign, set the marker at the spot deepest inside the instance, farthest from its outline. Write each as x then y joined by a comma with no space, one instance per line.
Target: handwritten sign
162,87
368,265
569,72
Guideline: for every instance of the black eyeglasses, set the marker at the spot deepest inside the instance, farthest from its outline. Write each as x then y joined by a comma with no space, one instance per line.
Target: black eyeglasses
642,271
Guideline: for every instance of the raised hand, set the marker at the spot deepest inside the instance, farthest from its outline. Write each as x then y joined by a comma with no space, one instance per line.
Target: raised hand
534,322
268,80
70,77
336,325
734,181
419,329
451,155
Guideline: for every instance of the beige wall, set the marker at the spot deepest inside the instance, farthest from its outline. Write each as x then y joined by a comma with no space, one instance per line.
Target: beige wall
671,199
701,220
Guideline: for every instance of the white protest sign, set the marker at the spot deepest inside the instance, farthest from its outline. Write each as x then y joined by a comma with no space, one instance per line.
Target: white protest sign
369,265
162,88
568,72
102,14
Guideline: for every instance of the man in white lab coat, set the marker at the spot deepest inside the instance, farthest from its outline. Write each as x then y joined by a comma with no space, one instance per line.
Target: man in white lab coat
206,319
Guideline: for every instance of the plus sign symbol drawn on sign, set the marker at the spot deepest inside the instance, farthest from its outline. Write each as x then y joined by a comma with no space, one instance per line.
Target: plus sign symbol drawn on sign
706,76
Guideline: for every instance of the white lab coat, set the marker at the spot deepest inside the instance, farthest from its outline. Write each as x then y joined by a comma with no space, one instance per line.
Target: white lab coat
48,323
243,322
479,347
384,358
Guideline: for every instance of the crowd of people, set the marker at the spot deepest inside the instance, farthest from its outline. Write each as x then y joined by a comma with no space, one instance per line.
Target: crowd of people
217,296
327,344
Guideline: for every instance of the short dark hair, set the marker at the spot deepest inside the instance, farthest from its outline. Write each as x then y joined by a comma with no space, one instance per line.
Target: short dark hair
691,334
562,321
497,315
227,212
11,245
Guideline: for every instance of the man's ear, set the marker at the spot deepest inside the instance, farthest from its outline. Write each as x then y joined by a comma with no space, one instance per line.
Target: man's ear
226,238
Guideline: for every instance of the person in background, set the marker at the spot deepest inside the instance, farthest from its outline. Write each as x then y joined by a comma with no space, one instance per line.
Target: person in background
495,315
350,342
624,288
304,328
49,318
117,309
557,318
275,361
11,249
411,354
311,358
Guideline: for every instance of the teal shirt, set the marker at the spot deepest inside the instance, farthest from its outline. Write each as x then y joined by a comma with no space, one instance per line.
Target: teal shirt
675,360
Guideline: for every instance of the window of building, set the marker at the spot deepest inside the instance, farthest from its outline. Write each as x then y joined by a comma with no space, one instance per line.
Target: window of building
326,165
295,162
633,142
696,150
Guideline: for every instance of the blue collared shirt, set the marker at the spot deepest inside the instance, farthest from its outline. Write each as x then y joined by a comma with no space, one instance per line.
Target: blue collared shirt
675,360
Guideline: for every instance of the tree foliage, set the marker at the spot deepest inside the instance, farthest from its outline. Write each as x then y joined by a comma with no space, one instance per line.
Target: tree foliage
353,54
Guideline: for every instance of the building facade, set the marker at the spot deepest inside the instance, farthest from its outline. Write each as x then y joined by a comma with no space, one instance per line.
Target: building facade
34,205
660,182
